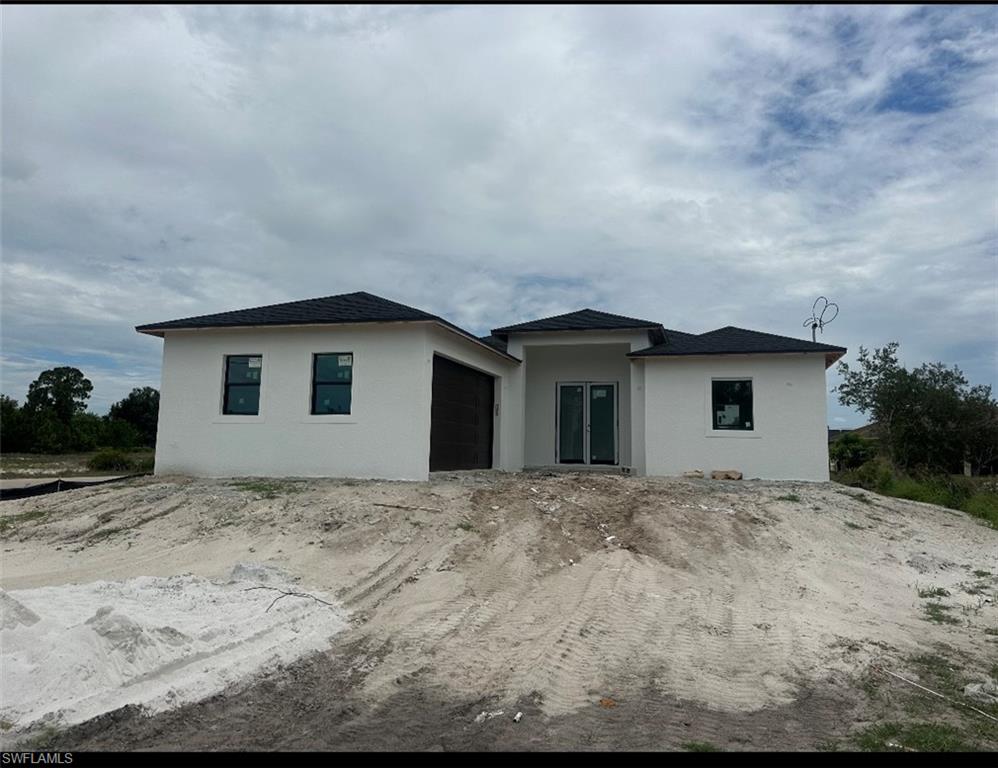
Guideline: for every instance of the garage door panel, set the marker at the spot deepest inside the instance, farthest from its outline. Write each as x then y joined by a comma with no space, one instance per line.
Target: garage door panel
461,418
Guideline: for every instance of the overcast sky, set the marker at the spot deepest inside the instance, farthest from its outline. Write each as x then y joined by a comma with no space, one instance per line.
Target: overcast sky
698,166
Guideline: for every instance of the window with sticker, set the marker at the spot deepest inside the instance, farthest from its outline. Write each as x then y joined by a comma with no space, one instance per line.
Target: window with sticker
731,404
242,385
332,383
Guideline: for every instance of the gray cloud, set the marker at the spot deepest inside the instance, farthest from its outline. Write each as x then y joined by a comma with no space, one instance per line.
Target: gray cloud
699,166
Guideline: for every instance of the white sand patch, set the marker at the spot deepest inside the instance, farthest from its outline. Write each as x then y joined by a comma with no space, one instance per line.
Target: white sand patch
156,642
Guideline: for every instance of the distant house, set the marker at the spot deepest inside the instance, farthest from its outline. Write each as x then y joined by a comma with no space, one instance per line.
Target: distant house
359,386
868,431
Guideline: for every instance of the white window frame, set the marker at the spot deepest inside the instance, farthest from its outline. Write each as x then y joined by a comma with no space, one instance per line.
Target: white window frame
239,418
330,418
739,434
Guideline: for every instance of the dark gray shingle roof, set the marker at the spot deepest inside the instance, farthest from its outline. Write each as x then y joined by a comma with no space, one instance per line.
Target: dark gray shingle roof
734,341
359,307
494,341
582,320
362,307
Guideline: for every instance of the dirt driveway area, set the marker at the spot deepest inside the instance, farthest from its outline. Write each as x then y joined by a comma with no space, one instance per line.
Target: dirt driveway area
608,612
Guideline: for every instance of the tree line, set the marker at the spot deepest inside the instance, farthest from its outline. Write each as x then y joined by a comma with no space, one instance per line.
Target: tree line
54,419
929,420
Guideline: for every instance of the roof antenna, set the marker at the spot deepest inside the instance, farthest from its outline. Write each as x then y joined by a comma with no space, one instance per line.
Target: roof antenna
817,320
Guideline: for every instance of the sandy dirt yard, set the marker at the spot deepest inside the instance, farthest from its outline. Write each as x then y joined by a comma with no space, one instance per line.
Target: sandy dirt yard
610,612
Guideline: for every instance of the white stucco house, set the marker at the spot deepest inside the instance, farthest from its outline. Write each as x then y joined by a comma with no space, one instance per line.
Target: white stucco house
356,385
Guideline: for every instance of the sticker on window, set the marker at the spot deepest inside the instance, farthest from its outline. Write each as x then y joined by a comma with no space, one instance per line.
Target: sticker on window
344,360
728,416
255,362
599,393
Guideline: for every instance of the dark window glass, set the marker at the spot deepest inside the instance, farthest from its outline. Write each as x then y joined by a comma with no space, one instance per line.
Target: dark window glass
731,404
571,424
332,381
242,385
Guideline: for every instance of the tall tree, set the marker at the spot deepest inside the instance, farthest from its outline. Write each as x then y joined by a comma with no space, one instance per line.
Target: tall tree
15,434
929,417
141,410
64,391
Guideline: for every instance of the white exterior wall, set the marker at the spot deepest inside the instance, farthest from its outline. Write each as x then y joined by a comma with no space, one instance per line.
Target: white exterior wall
638,464
790,439
386,435
663,404
549,358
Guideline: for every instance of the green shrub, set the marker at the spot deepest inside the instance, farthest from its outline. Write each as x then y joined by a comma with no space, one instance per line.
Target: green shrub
966,494
144,463
110,459
928,491
851,450
984,505
875,475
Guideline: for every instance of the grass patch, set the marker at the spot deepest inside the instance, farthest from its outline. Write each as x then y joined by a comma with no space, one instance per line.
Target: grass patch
700,746
973,495
268,489
855,526
827,746
920,737
464,525
939,613
42,741
945,671
944,674
991,631
982,574
933,592
871,687
9,522
69,465
110,460
789,497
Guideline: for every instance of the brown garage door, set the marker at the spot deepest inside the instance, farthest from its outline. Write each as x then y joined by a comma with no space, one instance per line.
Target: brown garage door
460,417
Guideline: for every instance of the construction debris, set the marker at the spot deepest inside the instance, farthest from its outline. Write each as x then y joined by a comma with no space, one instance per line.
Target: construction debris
985,693
725,474
484,715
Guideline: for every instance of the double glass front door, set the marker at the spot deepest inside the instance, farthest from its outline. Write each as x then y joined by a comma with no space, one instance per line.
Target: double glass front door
587,423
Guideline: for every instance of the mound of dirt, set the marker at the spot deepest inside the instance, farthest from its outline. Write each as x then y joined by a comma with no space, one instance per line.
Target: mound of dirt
71,652
560,589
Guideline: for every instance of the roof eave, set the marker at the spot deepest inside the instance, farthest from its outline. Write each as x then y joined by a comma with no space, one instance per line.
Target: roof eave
833,357
161,332
830,355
